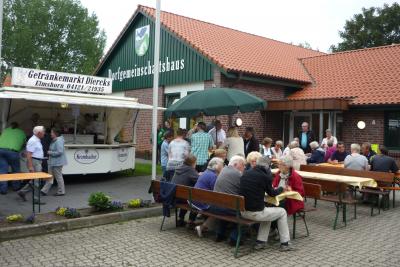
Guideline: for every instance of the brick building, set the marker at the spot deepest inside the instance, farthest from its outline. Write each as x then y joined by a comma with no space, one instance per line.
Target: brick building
327,90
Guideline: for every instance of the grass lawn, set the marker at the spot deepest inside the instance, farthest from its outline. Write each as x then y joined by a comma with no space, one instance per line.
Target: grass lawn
141,169
144,169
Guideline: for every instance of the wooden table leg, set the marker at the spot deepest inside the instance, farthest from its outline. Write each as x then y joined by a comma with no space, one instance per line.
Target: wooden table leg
39,194
33,196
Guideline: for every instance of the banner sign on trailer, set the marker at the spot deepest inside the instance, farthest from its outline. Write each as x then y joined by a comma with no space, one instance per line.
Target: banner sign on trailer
61,81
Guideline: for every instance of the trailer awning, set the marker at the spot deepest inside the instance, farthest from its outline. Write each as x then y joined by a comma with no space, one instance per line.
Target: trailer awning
71,98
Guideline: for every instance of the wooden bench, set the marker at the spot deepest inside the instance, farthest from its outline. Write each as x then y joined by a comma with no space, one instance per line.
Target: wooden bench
385,180
26,176
221,200
336,193
310,191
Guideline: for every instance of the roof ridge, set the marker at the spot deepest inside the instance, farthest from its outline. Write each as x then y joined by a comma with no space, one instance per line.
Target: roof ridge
353,51
313,81
225,27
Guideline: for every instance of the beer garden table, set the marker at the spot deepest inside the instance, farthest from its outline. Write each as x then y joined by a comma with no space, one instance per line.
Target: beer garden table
350,180
341,165
27,176
288,194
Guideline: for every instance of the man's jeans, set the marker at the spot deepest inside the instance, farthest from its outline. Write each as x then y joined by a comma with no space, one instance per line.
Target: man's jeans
265,217
9,158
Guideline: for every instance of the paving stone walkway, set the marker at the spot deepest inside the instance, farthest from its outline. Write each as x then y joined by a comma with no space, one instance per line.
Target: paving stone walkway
367,241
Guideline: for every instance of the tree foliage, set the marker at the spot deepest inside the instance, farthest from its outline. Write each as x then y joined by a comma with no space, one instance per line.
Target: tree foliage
56,35
373,27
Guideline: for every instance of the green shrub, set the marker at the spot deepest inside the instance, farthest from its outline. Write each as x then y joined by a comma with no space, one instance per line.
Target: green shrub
99,201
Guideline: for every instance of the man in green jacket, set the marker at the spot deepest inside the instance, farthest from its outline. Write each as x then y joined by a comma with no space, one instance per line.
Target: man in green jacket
11,141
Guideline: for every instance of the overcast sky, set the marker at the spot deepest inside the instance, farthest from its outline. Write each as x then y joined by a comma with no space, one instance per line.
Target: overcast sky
314,21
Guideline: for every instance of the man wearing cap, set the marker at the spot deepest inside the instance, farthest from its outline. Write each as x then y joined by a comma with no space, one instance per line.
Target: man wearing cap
11,141
34,156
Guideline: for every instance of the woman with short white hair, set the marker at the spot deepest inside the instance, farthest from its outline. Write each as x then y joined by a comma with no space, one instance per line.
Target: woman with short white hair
289,179
299,158
329,137
277,150
252,158
209,176
317,153
355,161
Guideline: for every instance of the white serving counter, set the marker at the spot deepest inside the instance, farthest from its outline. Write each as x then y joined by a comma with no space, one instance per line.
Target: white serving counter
98,158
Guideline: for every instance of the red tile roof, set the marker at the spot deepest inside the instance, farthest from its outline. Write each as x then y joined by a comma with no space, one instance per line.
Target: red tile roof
233,50
238,51
368,76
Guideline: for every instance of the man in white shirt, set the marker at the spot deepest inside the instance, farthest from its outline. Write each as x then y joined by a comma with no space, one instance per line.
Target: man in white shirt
217,134
34,156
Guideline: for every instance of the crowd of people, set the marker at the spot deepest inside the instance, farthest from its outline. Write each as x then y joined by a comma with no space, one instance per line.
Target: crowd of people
251,178
214,160
42,151
228,163
360,157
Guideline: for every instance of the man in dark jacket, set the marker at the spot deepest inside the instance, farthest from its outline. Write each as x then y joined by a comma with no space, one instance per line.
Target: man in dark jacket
383,163
253,185
250,141
317,153
186,174
306,136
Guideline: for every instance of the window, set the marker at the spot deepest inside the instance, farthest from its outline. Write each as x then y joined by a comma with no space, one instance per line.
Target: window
392,129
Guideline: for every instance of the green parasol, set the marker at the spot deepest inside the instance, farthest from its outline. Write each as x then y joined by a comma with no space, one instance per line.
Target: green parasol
214,102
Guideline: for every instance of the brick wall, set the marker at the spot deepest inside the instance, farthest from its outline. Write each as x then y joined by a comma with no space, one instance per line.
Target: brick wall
274,125
373,132
143,123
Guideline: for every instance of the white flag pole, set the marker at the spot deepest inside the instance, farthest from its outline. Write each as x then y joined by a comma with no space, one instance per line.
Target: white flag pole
155,89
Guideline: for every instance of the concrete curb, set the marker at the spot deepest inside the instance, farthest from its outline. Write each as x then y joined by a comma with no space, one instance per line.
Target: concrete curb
77,223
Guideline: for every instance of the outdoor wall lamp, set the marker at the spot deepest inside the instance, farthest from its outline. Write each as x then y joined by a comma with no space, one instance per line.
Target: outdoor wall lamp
64,105
361,125
238,122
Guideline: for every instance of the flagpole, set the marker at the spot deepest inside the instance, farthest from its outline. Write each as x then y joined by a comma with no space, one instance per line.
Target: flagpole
1,41
155,89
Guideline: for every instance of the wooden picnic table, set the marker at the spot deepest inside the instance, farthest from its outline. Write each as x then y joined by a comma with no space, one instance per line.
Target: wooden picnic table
326,164
341,165
27,176
350,180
